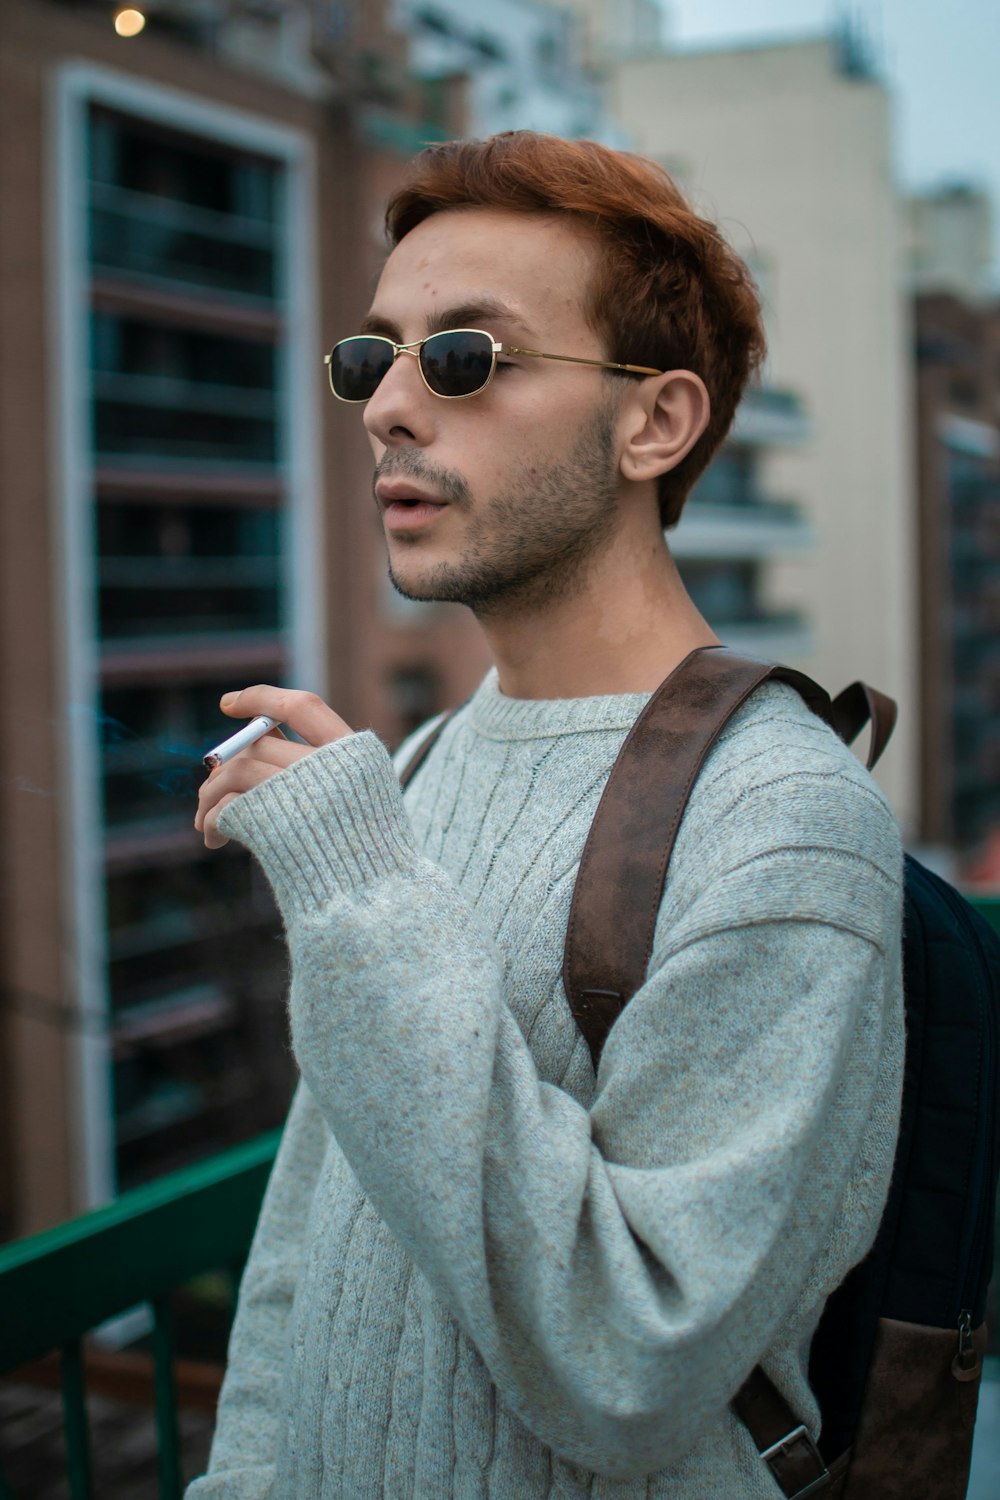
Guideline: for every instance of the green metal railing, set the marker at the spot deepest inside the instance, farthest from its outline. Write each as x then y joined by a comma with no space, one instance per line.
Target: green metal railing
59,1285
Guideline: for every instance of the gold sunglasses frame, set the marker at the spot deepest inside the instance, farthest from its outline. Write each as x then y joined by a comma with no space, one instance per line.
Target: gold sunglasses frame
496,348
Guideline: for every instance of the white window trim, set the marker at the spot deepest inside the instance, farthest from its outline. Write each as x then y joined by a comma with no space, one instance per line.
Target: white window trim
78,85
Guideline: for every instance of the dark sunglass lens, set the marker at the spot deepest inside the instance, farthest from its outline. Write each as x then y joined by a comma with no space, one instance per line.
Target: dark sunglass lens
457,364
357,366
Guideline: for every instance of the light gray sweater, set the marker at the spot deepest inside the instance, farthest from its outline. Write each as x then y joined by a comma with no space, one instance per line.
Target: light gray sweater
479,1272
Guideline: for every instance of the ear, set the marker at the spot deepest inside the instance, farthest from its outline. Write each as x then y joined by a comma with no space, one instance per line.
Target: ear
662,420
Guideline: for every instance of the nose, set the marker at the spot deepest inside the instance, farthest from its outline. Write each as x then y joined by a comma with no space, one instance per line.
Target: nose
402,408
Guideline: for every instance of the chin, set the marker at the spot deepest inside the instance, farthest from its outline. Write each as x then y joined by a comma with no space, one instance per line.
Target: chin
410,583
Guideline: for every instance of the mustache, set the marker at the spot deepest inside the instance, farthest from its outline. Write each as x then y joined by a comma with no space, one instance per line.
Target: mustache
408,463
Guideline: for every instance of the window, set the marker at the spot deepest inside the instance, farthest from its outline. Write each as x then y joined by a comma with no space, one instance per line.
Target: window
183,393
188,435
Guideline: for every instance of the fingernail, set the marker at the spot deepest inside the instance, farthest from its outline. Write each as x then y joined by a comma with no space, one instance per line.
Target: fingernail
227,698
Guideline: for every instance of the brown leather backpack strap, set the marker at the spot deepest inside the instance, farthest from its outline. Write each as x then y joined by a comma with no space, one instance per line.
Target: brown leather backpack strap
858,705
424,749
783,1442
623,868
613,914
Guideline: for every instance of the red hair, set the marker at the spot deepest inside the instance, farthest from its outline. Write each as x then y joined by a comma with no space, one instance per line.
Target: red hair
668,291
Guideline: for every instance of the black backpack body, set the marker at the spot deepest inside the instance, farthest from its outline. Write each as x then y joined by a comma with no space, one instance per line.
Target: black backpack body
929,1269
897,1358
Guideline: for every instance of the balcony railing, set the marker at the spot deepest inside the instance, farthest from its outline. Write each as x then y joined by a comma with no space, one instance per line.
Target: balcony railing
57,1286
756,532
767,417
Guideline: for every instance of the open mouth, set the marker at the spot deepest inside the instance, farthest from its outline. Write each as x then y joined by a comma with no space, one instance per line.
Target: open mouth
409,512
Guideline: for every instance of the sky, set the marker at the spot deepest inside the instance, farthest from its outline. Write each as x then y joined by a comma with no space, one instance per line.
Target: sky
940,58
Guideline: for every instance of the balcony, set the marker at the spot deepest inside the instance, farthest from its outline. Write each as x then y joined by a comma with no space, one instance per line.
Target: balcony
197,658
730,515
782,637
162,242
968,436
771,418
752,531
58,1286
726,589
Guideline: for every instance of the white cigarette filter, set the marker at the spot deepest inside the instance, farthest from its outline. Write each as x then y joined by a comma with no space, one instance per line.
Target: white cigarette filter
252,731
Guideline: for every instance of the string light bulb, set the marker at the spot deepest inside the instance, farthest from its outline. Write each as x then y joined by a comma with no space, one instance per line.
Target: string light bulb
129,21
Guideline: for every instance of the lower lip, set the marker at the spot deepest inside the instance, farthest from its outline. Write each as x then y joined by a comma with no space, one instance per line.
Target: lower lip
398,517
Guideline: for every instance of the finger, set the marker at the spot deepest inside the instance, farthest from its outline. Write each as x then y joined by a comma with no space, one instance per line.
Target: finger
242,777
304,712
273,749
245,771
213,838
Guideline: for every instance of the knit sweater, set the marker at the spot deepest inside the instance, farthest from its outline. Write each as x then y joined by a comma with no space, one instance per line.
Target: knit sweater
480,1272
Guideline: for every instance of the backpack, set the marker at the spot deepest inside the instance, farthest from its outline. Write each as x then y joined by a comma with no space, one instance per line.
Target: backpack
896,1360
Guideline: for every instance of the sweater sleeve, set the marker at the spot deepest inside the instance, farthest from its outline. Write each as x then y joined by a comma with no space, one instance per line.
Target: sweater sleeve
620,1269
250,1406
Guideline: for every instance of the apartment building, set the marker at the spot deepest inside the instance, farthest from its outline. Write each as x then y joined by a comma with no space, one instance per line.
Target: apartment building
958,469
734,529
949,242
524,61
787,148
190,216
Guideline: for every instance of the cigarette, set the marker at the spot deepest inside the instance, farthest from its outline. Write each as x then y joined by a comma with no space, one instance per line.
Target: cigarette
248,735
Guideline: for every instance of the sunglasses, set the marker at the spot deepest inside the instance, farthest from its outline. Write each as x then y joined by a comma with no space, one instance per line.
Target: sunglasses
457,363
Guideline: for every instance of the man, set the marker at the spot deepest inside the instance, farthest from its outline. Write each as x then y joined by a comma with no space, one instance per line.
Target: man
480,1270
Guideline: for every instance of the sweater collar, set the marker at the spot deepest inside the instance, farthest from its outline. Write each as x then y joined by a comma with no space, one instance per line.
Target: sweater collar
498,717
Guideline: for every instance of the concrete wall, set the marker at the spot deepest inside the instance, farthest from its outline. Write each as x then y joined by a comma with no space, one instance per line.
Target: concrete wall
791,158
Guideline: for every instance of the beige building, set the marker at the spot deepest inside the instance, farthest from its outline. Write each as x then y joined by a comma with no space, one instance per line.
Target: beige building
788,149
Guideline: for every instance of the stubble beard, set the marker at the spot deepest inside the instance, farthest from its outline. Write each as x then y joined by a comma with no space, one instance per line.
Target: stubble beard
532,546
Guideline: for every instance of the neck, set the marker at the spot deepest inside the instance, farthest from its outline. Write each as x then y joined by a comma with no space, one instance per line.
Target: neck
623,628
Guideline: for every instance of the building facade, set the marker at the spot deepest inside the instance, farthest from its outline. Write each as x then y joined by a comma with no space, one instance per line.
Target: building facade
958,470
950,242
787,148
524,61
734,530
189,218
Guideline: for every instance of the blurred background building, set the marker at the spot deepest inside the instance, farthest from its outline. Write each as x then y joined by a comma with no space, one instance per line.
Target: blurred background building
787,148
191,216
524,62
958,383
958,512
949,242
735,530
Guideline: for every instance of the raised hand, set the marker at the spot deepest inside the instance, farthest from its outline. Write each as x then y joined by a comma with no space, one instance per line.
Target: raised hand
304,713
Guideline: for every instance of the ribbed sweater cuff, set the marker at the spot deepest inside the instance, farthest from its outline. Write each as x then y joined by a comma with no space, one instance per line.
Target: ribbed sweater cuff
332,821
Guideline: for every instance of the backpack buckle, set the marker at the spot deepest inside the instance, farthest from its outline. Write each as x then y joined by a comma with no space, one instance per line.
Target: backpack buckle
797,1464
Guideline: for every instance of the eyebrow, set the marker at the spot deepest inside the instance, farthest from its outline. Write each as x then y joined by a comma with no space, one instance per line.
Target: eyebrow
471,314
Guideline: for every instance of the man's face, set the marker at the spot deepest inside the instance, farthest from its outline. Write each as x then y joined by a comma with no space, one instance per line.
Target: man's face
524,473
